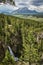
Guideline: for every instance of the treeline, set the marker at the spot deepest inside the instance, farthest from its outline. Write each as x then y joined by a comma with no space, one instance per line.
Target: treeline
24,36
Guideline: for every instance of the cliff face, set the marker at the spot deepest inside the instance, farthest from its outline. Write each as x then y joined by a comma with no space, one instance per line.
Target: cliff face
8,1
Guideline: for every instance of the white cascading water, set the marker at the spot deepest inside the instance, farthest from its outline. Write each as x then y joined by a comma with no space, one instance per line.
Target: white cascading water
15,58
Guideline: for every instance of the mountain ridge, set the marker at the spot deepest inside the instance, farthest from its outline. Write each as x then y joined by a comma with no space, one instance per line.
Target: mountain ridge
24,10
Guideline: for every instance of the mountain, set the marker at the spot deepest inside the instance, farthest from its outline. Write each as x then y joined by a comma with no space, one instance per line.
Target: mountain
12,10
24,10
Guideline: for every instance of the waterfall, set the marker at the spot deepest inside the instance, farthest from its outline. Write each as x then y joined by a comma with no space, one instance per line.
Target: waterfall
11,52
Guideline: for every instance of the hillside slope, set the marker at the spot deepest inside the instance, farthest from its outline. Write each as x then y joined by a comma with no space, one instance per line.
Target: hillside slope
24,36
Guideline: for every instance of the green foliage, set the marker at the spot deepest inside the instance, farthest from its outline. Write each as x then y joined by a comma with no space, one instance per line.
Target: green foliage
8,59
21,35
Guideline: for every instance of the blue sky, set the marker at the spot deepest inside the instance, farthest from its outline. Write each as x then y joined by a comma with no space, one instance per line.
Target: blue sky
30,4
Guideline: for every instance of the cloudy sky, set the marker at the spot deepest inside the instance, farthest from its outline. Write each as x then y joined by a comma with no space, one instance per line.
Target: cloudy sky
31,4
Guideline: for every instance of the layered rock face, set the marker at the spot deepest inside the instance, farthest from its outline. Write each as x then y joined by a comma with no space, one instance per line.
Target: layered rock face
8,1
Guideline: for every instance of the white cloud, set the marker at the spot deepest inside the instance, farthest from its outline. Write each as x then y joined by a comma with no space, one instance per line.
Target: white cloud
34,2
17,2
37,8
31,7
40,8
22,3
7,8
31,4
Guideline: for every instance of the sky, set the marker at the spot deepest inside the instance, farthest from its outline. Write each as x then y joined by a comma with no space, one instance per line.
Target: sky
7,8
31,4
36,5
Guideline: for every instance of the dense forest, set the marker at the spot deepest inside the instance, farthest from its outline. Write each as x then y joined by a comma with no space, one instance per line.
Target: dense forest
25,37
